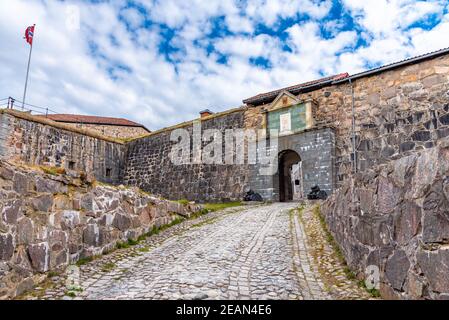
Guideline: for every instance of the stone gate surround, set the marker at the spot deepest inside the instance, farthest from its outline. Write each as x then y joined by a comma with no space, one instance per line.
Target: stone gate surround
316,148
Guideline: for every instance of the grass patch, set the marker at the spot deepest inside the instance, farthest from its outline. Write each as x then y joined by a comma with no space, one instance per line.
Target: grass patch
53,170
108,267
198,214
183,202
177,220
348,272
211,207
122,245
70,294
52,274
203,223
144,249
330,238
133,242
84,261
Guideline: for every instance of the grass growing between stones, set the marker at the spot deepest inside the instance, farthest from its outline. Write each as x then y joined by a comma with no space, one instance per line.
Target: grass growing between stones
183,202
54,171
108,267
52,274
211,207
84,261
339,254
203,223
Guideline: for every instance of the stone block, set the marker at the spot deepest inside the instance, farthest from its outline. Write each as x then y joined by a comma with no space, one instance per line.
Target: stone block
62,202
25,231
366,198
44,185
20,183
21,263
407,222
86,202
389,92
91,235
396,269
121,221
406,146
43,202
421,135
388,195
432,80
39,254
24,285
374,230
434,265
435,216
6,173
70,219
6,246
10,211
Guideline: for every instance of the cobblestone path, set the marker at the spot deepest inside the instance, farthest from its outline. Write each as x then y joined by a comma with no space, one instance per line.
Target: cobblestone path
250,252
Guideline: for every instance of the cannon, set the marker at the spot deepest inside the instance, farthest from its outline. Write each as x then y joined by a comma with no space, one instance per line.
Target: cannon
252,196
317,194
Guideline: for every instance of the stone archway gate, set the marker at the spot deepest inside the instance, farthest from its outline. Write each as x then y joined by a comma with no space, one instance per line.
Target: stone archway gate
317,151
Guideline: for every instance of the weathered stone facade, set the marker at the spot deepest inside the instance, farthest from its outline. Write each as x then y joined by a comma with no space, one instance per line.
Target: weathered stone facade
35,140
49,221
396,112
396,217
148,166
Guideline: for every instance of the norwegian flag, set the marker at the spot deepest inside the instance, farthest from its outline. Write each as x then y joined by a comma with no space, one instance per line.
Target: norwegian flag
29,33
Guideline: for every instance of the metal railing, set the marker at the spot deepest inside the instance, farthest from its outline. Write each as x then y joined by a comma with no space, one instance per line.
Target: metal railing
12,103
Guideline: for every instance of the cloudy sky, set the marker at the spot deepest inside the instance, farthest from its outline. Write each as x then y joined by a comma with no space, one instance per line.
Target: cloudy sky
160,62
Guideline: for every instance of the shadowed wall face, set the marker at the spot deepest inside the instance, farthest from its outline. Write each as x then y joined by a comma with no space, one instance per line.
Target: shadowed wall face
149,166
36,143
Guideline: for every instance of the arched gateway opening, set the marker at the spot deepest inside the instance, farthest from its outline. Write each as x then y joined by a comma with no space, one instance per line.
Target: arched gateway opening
290,176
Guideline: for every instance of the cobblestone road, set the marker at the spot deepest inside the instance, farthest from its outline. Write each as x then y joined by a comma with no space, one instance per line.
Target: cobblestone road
254,252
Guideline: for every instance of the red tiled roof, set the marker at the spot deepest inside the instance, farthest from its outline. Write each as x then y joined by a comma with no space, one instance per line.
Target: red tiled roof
75,118
273,94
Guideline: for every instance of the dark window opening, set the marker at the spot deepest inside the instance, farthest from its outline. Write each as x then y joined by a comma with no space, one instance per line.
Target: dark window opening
108,172
71,165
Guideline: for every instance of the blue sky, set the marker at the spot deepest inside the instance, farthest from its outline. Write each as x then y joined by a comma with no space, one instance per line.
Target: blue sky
160,62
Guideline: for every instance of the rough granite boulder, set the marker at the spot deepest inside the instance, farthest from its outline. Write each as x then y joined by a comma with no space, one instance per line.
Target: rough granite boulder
398,222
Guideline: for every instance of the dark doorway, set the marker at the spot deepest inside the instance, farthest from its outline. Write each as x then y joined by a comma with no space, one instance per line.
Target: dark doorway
287,159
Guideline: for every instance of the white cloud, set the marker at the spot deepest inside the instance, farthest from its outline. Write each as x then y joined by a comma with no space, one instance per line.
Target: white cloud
133,17
385,16
107,69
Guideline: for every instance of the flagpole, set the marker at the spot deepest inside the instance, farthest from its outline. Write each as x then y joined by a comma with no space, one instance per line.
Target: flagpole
28,70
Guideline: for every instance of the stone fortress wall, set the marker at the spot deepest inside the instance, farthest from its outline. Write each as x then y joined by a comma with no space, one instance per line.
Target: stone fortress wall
397,112
148,166
395,217
38,141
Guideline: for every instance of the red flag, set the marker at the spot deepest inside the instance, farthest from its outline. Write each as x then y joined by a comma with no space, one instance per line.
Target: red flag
29,33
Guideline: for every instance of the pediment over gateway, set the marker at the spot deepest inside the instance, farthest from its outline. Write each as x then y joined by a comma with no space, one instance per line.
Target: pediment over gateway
283,100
